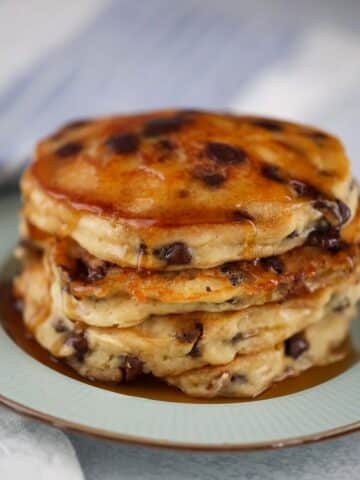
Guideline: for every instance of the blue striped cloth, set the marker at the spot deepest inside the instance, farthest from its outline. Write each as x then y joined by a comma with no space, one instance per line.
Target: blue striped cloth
63,60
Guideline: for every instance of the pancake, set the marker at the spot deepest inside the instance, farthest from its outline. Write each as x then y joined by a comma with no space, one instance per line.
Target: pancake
173,344
180,190
98,293
250,375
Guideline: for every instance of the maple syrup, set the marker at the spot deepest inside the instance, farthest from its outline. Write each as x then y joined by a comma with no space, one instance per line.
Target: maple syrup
148,386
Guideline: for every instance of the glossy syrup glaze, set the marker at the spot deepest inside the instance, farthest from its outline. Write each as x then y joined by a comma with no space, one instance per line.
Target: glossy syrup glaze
174,168
149,387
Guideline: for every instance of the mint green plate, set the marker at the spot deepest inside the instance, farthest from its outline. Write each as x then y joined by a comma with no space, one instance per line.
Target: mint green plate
329,409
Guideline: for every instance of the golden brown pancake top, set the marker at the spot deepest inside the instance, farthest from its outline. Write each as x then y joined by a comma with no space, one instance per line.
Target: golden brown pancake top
187,167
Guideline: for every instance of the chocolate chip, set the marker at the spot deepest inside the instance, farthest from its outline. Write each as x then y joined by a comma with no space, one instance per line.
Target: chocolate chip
143,248
238,378
131,367
273,263
30,247
209,177
337,212
343,212
303,189
60,325
239,215
343,305
188,336
238,337
69,149
233,301
208,289
87,273
271,125
233,273
196,350
273,172
123,143
159,126
78,342
293,234
327,239
323,225
84,272
177,253
166,144
224,154
296,345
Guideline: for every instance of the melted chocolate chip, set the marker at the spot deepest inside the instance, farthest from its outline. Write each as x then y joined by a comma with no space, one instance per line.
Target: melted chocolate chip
233,301
273,172
131,368
208,289
271,125
68,149
143,248
123,143
293,234
196,350
188,336
238,378
89,274
296,345
233,273
166,144
239,215
160,126
224,154
339,212
274,264
30,247
343,305
343,212
60,326
80,345
238,337
303,189
209,176
328,239
177,253
323,225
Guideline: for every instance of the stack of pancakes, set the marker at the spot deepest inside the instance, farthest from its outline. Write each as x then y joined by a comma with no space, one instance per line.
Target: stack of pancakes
216,252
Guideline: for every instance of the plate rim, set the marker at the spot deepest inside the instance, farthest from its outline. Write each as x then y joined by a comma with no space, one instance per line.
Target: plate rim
78,428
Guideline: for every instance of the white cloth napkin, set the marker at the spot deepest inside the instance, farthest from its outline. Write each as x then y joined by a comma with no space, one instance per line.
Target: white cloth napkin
33,451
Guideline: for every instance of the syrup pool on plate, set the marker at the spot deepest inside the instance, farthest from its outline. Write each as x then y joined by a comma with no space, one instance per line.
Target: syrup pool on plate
150,387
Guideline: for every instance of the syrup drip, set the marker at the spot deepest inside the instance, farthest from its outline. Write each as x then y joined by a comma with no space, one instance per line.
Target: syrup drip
150,387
